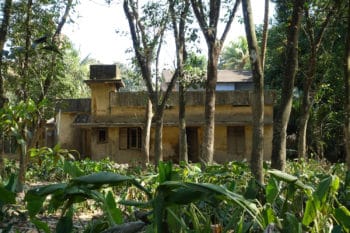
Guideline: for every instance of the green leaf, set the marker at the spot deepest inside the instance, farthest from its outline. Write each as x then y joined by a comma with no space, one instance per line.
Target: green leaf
323,188
292,224
283,176
12,183
165,171
40,225
310,212
342,214
34,203
272,190
7,197
279,175
113,210
48,189
252,189
65,224
72,169
268,215
172,190
102,178
135,203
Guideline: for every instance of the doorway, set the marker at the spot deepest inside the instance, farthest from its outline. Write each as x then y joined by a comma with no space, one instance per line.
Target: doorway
236,142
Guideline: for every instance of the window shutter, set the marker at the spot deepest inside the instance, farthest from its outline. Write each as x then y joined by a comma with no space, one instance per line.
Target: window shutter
123,138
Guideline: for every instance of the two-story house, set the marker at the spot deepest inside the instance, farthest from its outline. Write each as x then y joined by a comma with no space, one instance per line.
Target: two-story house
110,123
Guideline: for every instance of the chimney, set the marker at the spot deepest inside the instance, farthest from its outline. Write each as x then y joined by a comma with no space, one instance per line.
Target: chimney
104,72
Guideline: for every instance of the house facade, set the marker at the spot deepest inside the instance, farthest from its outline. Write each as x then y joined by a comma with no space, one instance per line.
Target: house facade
110,123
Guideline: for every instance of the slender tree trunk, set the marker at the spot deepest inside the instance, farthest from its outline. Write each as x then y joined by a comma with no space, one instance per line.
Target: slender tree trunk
257,155
307,99
39,126
23,148
265,34
3,35
347,93
158,140
56,41
282,117
23,161
208,24
183,151
147,131
207,154
179,19
306,106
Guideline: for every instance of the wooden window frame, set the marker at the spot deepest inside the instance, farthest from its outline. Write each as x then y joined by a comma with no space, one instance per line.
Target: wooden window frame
102,139
130,138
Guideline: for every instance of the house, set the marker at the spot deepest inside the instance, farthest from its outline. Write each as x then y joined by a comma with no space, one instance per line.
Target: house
227,80
110,123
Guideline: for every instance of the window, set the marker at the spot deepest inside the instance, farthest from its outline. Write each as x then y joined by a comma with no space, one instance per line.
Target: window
102,135
130,138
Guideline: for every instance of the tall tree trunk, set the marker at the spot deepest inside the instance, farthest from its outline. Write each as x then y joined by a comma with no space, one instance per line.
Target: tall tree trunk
23,148
144,47
265,33
306,105
207,154
208,24
22,167
3,35
347,93
179,19
257,155
146,134
283,113
307,99
55,40
158,140
183,150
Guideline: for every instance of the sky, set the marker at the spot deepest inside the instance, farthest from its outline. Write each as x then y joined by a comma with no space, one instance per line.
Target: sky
95,26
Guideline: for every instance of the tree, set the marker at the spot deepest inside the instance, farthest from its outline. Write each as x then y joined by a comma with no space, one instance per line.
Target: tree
208,18
291,63
317,20
33,62
258,92
178,19
3,36
347,92
265,33
146,32
235,56
3,33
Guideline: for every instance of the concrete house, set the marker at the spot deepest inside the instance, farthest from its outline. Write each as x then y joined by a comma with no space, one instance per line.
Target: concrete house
110,123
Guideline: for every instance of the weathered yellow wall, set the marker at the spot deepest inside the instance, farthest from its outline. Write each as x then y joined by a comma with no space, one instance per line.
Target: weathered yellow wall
67,135
268,131
100,93
124,116
111,149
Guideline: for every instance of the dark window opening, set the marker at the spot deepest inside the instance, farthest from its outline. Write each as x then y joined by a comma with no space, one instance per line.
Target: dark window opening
102,136
130,138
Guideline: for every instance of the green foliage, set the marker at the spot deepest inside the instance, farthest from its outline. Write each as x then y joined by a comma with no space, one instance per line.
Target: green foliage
235,56
312,197
7,202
